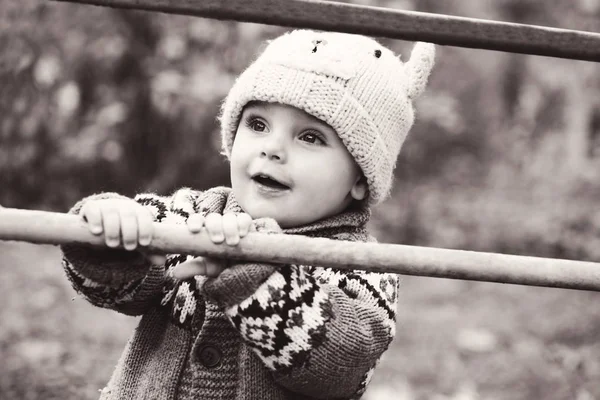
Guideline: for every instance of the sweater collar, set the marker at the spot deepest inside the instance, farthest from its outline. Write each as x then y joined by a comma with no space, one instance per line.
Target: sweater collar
350,219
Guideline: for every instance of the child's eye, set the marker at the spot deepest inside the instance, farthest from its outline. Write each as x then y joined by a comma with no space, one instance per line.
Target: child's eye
256,124
312,137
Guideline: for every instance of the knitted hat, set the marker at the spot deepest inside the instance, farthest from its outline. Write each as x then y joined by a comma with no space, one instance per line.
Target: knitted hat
352,83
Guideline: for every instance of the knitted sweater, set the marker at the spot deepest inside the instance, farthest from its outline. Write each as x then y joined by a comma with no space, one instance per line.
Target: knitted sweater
258,331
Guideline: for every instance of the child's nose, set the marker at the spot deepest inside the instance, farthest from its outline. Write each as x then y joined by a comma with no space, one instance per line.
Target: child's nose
274,148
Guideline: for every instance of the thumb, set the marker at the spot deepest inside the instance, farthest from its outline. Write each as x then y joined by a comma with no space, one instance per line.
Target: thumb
191,268
154,258
157,259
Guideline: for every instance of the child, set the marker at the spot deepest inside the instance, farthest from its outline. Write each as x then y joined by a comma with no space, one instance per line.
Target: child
312,130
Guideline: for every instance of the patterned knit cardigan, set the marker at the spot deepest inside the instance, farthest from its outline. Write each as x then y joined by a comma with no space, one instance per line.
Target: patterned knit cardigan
272,332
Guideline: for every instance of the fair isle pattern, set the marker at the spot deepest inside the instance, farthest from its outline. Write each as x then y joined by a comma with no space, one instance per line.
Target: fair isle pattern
285,319
165,209
283,329
366,288
181,296
378,290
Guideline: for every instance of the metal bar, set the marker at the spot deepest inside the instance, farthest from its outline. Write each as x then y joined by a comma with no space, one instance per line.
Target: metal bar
383,22
55,228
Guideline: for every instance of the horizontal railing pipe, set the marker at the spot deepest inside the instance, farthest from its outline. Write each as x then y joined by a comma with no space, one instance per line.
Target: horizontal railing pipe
384,22
56,228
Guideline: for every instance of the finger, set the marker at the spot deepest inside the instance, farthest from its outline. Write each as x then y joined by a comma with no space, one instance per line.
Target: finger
189,269
230,229
145,226
111,223
214,267
129,228
244,223
214,226
195,223
92,215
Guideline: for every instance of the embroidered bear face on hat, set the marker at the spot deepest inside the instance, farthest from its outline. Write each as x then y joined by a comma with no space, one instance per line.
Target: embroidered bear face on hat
351,82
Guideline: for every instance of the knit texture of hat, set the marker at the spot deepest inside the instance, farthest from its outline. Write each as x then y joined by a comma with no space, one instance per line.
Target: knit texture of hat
358,87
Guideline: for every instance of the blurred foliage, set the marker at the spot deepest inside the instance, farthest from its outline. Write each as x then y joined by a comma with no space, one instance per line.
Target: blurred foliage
99,99
504,157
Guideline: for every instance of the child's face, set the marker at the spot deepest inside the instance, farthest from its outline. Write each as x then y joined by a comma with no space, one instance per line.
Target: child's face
291,166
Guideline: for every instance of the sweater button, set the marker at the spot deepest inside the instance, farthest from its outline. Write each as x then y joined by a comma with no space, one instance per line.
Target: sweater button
210,356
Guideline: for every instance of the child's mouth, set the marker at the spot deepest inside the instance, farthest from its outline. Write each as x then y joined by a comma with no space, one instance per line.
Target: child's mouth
269,182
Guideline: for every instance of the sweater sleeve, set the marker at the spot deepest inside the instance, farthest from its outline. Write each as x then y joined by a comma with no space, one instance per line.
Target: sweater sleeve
320,331
125,281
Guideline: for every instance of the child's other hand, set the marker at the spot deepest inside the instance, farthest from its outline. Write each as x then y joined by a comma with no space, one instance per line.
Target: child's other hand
228,228
205,266
122,221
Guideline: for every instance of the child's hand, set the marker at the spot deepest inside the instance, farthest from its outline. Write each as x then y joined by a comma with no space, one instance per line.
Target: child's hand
228,228
122,221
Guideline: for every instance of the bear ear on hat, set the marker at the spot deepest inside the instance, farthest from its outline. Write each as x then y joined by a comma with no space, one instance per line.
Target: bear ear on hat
418,67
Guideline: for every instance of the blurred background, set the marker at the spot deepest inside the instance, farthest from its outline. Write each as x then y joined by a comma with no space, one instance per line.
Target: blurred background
504,157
